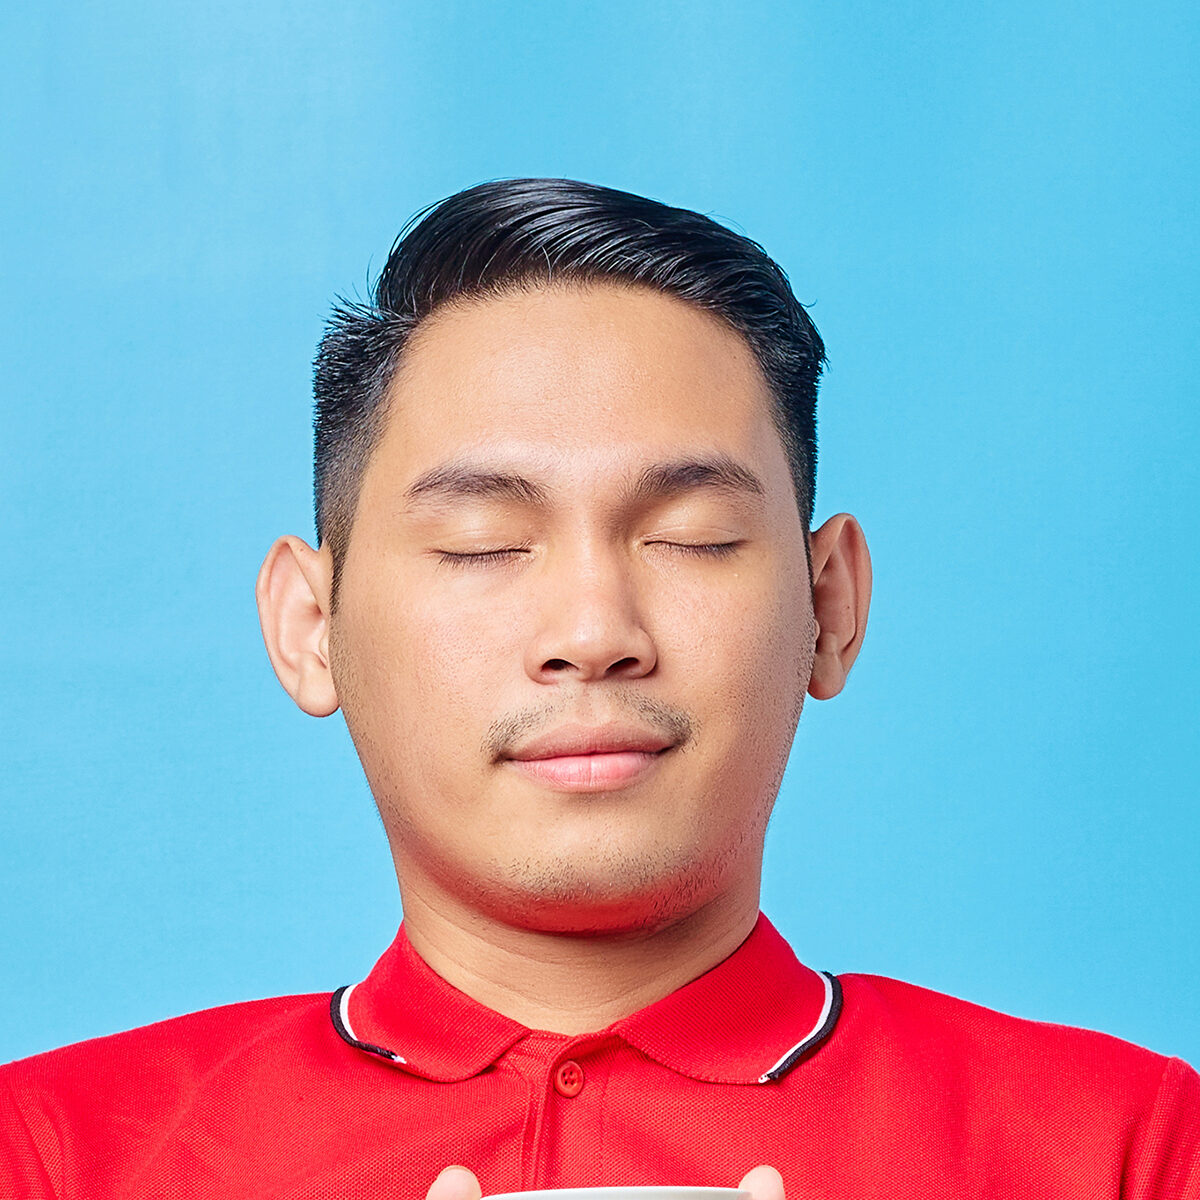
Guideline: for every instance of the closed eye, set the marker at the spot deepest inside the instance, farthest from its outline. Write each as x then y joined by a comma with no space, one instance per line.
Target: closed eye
483,558
705,549
480,558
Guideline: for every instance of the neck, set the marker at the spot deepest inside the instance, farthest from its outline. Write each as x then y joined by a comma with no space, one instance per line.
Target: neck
571,983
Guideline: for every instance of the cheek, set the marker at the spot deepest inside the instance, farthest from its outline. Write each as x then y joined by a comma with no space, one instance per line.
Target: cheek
432,670
756,625
753,659
463,647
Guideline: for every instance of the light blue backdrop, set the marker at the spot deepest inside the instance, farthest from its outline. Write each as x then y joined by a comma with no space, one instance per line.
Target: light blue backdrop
992,211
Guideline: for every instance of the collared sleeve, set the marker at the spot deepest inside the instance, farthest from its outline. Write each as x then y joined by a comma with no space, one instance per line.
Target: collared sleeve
1164,1160
23,1171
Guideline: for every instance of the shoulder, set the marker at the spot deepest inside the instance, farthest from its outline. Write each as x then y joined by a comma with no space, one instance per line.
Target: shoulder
958,1034
102,1108
164,1065
194,1038
1076,1095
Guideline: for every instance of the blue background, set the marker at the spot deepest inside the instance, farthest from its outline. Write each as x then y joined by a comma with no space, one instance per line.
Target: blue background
992,212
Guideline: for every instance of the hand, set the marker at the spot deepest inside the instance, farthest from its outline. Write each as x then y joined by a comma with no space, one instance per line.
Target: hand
455,1183
458,1183
763,1183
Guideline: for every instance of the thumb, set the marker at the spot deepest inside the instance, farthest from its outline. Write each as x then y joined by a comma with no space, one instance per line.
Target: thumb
455,1183
763,1183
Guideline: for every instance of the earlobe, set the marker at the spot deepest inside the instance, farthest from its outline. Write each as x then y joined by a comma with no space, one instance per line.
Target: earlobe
293,608
841,598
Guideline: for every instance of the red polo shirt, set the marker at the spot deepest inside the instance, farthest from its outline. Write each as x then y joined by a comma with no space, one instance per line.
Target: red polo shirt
862,1087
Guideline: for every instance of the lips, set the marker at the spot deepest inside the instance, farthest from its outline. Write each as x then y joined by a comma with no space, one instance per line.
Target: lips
581,759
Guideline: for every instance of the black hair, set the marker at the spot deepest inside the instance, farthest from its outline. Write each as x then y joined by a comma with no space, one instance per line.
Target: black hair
516,233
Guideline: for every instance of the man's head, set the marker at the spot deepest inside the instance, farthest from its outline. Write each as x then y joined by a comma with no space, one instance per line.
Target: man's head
575,620
517,234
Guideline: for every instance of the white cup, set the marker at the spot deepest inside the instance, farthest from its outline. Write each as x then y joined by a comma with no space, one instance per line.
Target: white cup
627,1193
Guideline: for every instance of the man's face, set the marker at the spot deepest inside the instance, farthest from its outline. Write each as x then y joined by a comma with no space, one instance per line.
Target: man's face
574,625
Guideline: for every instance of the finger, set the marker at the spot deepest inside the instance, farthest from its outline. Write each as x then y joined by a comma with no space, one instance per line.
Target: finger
763,1183
455,1183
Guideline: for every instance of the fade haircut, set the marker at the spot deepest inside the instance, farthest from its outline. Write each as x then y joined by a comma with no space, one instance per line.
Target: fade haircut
513,234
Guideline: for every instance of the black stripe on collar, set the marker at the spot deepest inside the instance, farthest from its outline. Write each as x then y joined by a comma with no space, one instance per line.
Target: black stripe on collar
335,1012
815,1039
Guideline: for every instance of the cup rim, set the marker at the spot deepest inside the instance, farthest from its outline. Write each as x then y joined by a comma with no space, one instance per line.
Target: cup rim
654,1189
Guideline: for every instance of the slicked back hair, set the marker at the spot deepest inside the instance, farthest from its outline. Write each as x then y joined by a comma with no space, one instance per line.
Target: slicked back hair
514,234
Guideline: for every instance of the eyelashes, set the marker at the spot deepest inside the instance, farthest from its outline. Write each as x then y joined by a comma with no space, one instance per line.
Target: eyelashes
481,558
702,549
509,554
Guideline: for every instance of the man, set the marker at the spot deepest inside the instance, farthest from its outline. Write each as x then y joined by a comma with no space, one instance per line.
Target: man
567,599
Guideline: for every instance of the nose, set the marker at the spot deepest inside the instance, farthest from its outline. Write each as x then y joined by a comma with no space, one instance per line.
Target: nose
589,624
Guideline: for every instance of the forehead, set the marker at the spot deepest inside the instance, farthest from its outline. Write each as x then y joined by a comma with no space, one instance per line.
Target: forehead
588,381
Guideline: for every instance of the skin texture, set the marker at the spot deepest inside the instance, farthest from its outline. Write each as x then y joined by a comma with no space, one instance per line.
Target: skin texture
634,436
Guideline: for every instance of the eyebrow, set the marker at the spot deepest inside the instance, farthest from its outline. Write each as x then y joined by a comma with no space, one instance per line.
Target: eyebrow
719,472
463,480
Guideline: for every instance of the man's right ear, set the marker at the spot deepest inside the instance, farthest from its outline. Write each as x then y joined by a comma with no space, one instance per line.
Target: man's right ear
293,592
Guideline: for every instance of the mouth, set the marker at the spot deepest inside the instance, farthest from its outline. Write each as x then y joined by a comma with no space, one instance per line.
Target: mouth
579,759
589,772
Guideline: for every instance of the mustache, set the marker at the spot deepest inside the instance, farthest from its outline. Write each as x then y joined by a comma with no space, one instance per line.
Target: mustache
506,733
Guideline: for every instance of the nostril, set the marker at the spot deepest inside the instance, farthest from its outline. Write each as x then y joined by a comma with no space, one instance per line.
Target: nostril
557,664
622,663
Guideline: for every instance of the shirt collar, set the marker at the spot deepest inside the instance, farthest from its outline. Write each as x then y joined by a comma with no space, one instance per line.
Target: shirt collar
750,1019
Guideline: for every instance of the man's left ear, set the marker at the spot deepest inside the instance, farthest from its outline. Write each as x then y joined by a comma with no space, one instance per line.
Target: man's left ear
841,596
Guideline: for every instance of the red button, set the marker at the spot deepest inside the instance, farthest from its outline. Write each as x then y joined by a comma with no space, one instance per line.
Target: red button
568,1079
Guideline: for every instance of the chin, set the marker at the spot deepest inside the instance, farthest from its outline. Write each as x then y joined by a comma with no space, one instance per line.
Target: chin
624,896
